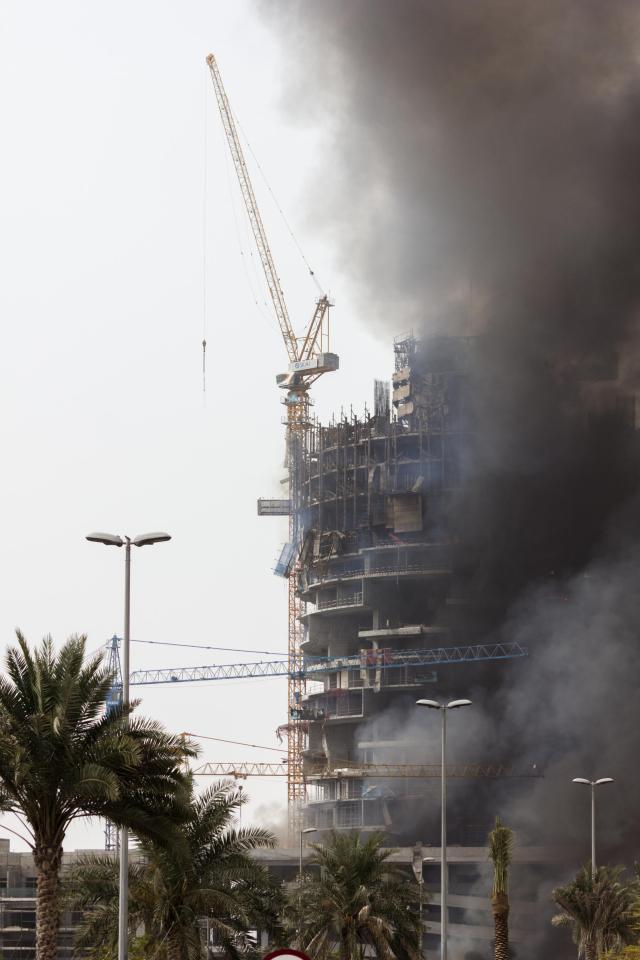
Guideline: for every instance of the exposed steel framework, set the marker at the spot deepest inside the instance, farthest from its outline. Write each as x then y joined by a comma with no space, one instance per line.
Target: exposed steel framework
306,364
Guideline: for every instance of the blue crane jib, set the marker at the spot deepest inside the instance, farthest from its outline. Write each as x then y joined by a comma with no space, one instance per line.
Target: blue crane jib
316,667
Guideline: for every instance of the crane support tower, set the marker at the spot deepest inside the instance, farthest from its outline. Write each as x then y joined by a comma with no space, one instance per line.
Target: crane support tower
309,357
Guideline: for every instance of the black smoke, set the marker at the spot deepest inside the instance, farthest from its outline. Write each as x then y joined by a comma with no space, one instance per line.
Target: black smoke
482,177
481,159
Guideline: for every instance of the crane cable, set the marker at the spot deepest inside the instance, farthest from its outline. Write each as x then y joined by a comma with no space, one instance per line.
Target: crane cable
264,314
312,272
288,226
205,233
238,743
202,646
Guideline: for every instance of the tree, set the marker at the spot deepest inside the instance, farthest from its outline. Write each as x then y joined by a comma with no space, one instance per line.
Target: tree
63,757
600,910
358,900
500,853
207,873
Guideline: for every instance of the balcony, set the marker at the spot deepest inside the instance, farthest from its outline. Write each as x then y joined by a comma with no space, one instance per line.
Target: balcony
334,705
353,601
406,570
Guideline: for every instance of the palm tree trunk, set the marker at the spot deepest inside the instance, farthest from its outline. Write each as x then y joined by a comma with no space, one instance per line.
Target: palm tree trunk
47,860
173,949
345,943
590,950
500,907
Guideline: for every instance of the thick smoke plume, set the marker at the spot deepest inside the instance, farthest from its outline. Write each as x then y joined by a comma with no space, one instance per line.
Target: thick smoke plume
482,178
482,159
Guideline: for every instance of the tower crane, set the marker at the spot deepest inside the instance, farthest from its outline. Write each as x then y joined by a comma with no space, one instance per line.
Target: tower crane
308,360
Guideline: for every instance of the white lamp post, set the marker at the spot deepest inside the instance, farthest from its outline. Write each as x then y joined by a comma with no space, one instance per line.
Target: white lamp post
593,784
443,707
113,540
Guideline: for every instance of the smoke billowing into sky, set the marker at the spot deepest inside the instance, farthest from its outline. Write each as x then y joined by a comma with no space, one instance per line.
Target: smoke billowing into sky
481,163
481,177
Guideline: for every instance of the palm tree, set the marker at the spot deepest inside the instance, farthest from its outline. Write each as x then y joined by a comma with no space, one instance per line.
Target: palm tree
357,900
500,853
63,757
207,873
601,911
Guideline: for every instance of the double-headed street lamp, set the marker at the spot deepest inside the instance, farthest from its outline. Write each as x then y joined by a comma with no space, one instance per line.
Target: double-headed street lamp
443,707
593,784
113,540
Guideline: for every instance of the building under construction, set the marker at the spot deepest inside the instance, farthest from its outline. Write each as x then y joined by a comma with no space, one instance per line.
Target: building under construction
403,586
377,598
382,580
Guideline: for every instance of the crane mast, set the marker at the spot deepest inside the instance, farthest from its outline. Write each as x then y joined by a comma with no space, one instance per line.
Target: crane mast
307,362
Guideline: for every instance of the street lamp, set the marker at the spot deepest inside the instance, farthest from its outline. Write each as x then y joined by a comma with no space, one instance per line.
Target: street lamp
593,784
113,540
444,707
302,832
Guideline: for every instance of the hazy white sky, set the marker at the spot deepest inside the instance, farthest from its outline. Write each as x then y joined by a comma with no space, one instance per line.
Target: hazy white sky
103,425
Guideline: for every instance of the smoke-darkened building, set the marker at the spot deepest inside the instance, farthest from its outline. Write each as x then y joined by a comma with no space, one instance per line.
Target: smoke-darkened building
385,572
411,554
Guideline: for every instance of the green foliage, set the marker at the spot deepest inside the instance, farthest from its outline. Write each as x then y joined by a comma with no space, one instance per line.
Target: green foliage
140,948
206,873
602,912
358,900
501,841
627,953
61,757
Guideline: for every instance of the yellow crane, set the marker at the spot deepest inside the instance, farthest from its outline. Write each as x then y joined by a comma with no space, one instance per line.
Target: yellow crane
309,357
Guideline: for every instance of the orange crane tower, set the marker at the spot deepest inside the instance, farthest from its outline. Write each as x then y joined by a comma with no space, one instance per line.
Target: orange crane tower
307,361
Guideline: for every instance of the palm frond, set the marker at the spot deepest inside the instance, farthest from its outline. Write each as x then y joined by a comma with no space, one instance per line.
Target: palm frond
201,868
501,841
601,910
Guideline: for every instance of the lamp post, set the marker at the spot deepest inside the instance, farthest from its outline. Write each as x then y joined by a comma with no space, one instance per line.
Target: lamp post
593,784
113,540
443,707
302,832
